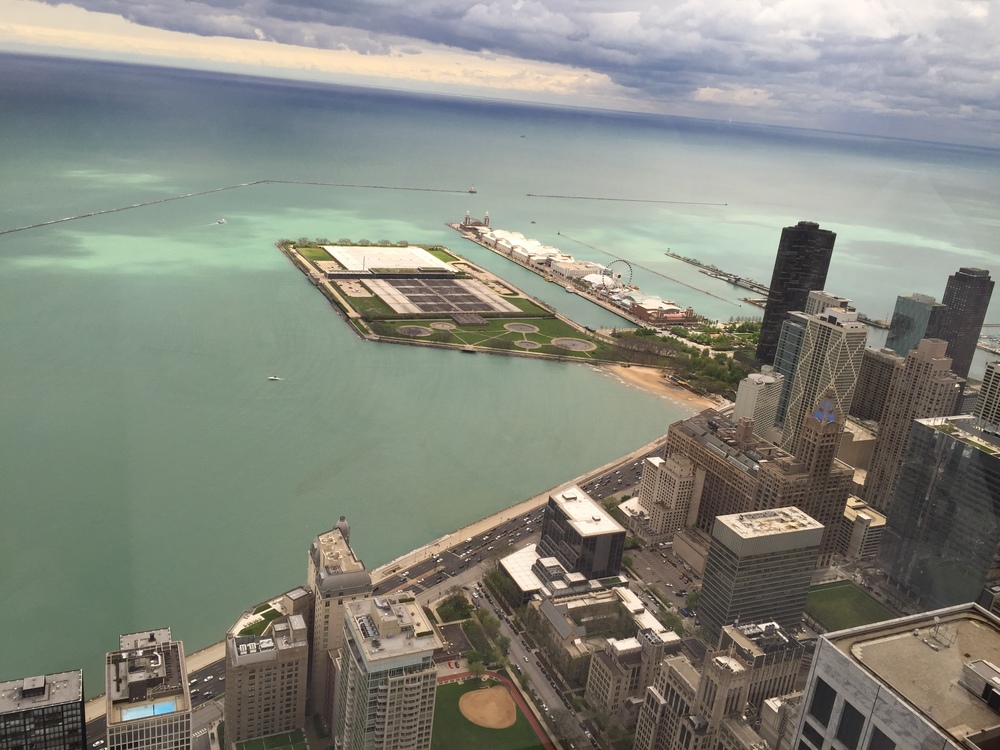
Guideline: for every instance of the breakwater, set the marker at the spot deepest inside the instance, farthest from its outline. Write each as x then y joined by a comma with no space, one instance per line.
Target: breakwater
185,196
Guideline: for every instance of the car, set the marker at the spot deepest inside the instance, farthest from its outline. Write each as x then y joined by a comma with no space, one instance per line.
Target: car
195,693
405,574
192,681
98,743
209,694
526,659
209,678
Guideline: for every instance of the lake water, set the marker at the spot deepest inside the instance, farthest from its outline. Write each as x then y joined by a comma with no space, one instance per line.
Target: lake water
151,476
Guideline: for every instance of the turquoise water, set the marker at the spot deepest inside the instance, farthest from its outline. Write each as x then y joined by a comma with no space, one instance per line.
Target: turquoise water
152,476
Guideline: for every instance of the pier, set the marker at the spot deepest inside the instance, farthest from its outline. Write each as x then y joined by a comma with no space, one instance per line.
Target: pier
606,304
718,273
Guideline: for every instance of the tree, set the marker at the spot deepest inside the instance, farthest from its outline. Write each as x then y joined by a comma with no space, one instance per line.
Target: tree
477,668
691,600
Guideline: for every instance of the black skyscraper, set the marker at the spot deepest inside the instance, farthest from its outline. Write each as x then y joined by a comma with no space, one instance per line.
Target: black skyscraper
803,260
967,297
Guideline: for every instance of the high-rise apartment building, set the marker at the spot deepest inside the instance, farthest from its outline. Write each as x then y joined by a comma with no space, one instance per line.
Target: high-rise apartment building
831,355
800,267
967,296
619,674
786,359
706,711
819,301
987,409
813,479
757,398
266,680
387,678
727,458
941,543
874,377
335,577
916,317
926,681
147,700
665,491
43,713
581,535
759,568
861,531
924,386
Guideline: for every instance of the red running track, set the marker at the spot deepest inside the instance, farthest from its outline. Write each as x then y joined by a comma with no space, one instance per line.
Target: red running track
539,730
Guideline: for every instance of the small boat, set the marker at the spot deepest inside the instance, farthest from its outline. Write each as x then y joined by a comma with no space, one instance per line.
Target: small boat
473,189
221,221
273,377
569,289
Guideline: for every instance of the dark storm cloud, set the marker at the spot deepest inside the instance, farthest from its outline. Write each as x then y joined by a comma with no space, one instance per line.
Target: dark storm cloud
935,59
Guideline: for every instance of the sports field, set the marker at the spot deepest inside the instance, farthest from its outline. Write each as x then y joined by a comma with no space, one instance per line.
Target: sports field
285,741
841,605
453,730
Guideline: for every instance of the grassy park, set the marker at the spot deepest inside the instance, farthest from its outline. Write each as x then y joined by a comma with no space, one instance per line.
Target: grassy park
453,730
285,741
841,605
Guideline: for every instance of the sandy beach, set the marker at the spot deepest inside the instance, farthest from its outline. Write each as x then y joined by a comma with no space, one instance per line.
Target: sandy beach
651,379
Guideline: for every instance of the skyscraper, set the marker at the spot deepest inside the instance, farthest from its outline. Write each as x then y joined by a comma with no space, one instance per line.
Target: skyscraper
387,678
266,680
924,386
813,480
759,568
987,409
916,317
581,535
43,713
831,355
665,492
786,359
925,681
757,398
685,709
800,266
967,297
335,577
148,701
941,542
874,377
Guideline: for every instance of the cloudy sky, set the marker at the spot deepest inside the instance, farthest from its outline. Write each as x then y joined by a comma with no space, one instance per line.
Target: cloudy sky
914,68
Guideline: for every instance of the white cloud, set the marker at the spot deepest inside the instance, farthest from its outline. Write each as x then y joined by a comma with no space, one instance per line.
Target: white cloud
815,59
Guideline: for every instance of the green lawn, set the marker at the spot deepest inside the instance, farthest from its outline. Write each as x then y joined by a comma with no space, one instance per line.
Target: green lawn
842,605
261,625
441,254
285,741
452,730
314,253
493,335
527,306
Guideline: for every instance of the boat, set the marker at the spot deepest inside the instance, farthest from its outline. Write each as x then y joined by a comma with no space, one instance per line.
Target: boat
273,377
473,189
569,289
221,221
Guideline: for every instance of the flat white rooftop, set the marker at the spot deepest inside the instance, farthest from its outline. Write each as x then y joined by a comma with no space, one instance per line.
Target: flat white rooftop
38,692
585,514
767,522
360,258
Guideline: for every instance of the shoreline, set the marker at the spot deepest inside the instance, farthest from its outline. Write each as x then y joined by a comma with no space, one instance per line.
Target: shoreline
651,380
94,707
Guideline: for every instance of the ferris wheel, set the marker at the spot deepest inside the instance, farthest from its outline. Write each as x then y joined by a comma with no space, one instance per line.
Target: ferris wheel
616,275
